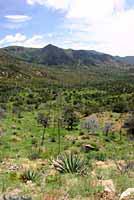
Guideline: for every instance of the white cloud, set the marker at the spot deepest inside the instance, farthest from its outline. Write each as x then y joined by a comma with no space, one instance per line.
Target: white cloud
112,34
22,40
36,41
80,8
56,4
115,35
10,39
103,25
17,18
92,10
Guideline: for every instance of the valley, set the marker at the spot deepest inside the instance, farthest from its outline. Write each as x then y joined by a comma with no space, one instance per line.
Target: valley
66,124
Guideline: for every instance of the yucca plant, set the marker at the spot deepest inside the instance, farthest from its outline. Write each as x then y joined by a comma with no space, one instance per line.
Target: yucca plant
29,175
69,163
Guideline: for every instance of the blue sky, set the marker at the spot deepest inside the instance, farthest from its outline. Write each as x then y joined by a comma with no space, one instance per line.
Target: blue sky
102,25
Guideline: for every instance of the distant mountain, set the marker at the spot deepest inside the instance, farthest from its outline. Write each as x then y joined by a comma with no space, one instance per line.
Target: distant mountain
52,55
128,59
12,67
53,65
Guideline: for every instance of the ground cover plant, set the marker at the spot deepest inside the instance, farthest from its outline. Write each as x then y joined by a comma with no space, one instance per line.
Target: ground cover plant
62,135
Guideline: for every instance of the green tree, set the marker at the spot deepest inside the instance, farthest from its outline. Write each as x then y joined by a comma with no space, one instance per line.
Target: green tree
121,105
43,120
70,118
129,124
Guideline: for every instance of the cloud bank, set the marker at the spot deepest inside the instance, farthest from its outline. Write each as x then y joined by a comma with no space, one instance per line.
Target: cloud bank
19,39
102,25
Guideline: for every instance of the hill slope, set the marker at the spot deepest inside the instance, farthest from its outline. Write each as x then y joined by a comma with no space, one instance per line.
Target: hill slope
53,65
127,59
52,55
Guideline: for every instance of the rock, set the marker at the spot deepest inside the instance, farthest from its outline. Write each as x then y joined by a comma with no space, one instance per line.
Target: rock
108,185
84,137
128,194
15,138
105,164
13,168
108,192
14,195
13,126
57,195
70,138
105,196
15,192
1,132
87,148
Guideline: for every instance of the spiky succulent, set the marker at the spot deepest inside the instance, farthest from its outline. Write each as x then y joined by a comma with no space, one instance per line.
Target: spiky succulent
69,163
29,175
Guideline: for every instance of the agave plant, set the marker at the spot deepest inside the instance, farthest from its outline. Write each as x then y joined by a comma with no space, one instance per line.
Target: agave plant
29,175
69,163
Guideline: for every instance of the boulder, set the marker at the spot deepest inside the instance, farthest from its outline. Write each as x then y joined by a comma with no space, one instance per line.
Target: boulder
108,192
105,196
14,195
13,168
128,194
13,126
108,185
87,147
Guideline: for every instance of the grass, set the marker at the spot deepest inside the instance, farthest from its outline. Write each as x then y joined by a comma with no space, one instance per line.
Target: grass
22,138
97,91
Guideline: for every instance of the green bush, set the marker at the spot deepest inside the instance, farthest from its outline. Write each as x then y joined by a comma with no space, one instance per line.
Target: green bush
34,155
100,156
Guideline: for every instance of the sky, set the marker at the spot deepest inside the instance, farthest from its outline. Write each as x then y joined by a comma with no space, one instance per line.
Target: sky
102,25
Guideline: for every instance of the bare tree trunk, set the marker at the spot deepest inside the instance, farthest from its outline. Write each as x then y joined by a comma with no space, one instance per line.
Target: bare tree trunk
43,137
59,139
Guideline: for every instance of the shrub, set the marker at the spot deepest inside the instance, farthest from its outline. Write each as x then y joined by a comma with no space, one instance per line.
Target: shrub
2,113
43,120
70,119
29,175
129,124
125,168
34,155
81,133
69,163
91,124
100,156
34,141
107,128
120,106
52,139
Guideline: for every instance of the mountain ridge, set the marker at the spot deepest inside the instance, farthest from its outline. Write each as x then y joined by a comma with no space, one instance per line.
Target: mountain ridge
53,55
53,65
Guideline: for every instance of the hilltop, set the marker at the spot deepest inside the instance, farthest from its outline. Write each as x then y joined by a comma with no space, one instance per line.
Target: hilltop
53,55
